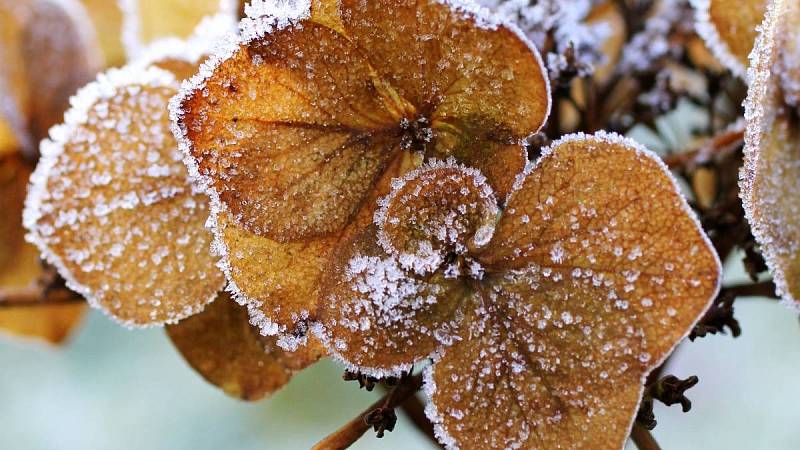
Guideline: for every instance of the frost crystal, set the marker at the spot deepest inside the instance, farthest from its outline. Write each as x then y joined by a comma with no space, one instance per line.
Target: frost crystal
566,20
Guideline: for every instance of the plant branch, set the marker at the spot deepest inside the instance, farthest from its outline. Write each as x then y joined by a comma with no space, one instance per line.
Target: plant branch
762,289
415,410
36,296
352,431
723,142
643,439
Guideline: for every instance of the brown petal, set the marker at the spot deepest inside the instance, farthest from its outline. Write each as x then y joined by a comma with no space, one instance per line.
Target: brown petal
380,318
496,390
484,85
771,175
435,211
112,208
280,281
226,350
602,211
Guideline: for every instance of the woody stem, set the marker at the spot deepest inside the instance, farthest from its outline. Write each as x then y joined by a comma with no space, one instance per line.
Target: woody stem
32,297
643,439
352,431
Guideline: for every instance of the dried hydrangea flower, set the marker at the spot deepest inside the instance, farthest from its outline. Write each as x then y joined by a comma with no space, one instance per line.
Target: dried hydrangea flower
296,127
110,204
770,179
226,350
542,328
729,29
146,21
20,268
48,52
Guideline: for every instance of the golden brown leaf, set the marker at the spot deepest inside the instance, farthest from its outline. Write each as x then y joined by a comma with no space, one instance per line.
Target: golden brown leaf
20,267
129,234
729,29
226,350
608,13
769,180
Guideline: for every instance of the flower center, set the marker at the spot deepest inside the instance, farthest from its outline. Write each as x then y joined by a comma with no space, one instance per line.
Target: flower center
416,134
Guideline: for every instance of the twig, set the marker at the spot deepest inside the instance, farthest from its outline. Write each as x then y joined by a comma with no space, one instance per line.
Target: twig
36,296
762,289
345,436
723,142
643,439
415,410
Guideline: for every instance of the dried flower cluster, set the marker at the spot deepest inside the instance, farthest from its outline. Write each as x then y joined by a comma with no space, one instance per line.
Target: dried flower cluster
400,185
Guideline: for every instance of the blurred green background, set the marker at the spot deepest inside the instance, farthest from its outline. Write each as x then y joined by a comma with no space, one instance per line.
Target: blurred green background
111,388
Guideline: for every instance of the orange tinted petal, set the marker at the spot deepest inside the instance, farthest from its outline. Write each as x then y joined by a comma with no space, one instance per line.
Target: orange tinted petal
380,318
226,350
434,211
20,267
495,389
280,281
770,178
291,132
729,28
484,85
112,208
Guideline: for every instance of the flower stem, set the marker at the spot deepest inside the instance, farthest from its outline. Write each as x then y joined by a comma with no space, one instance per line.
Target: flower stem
33,297
643,439
352,431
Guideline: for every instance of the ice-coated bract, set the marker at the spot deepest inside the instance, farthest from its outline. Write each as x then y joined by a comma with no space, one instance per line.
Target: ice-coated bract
110,204
230,353
296,127
770,177
543,336
729,29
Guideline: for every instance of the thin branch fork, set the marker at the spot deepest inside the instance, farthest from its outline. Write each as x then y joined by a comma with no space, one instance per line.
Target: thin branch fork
351,432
